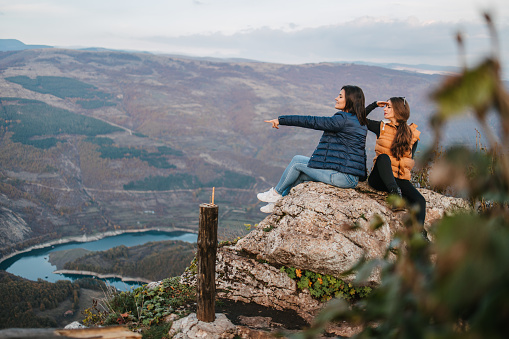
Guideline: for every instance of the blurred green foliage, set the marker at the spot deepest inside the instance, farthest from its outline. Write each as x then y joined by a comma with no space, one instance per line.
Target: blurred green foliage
456,286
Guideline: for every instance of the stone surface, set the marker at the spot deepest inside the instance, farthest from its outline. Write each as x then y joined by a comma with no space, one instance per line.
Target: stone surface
190,327
318,228
313,227
256,322
74,325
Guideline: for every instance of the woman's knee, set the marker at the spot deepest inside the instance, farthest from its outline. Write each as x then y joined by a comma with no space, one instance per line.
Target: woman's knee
300,159
383,159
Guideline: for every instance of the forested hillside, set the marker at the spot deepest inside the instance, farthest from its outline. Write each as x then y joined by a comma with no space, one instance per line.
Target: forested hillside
40,303
153,261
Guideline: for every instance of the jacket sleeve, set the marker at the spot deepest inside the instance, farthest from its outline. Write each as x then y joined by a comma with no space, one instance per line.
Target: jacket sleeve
374,126
334,123
371,107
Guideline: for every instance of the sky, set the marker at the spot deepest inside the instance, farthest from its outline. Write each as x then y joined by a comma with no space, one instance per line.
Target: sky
280,31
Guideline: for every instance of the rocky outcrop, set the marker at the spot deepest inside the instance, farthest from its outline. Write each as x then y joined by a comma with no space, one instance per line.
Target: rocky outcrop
319,228
327,230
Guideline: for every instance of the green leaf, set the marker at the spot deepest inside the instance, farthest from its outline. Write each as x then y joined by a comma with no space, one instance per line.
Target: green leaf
475,88
376,222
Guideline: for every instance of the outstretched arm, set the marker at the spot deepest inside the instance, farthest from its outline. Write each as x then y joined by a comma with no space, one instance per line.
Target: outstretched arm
334,123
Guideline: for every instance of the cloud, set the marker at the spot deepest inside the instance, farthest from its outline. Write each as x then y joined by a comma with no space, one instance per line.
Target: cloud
367,39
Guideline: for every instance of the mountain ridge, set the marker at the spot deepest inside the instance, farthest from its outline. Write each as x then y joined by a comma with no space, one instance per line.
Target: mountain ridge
16,45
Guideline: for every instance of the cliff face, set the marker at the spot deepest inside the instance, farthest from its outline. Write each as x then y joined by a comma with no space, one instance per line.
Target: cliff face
312,229
13,228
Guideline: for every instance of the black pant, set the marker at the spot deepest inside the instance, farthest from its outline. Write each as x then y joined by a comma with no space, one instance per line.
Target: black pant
382,179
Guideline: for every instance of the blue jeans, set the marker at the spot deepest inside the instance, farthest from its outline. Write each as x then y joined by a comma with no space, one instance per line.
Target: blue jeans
298,172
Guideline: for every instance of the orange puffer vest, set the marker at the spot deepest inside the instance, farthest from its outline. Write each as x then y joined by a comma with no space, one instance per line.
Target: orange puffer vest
400,168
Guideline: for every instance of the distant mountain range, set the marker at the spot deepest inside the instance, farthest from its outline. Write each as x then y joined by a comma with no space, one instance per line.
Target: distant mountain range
421,68
16,45
94,141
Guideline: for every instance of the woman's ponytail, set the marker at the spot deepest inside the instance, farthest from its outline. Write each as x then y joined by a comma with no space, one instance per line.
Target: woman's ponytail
401,143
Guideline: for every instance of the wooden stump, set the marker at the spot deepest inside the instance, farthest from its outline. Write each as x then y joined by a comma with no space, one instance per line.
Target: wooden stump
206,256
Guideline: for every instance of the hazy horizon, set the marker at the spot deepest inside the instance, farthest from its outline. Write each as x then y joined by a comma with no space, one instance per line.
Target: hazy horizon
289,32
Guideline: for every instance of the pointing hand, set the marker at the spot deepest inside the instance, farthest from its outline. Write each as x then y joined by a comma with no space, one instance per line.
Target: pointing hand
274,122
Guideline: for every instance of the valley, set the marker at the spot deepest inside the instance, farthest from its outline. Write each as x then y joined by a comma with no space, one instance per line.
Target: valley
99,141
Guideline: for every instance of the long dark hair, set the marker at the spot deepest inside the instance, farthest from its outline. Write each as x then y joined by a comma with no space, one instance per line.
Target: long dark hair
401,143
354,97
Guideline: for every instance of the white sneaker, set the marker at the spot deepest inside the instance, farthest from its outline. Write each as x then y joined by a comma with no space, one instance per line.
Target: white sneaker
269,208
269,196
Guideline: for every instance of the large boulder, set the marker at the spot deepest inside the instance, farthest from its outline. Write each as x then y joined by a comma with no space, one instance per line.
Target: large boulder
318,228
324,229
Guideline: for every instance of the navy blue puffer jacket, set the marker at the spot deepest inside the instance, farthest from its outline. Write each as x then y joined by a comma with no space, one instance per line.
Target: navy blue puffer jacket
342,146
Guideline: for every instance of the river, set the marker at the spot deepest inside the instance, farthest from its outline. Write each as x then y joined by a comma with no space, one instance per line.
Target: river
35,264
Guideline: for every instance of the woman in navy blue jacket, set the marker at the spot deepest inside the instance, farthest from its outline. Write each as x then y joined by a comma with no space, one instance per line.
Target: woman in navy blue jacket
340,157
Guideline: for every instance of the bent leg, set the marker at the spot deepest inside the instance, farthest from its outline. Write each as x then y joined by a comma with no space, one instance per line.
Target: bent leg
375,180
381,177
298,171
291,174
331,177
303,177
414,197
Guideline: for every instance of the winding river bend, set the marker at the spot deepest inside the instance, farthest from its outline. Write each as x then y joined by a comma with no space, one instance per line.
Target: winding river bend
35,264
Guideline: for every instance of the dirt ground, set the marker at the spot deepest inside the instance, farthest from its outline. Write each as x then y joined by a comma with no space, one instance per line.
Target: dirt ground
263,318
238,311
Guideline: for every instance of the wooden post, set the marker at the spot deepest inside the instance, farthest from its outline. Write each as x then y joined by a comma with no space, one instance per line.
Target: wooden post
206,256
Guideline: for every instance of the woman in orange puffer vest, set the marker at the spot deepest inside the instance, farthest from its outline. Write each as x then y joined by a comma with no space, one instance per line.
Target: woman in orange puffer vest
395,146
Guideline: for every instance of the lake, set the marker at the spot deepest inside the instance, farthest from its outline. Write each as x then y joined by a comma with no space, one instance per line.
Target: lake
35,264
